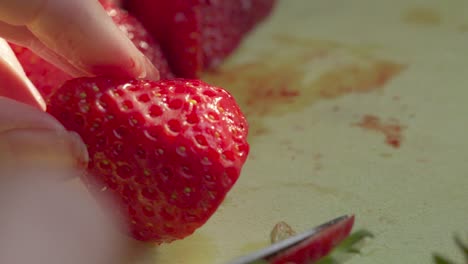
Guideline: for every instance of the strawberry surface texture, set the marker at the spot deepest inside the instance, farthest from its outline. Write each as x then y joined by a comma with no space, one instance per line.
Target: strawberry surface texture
198,35
168,151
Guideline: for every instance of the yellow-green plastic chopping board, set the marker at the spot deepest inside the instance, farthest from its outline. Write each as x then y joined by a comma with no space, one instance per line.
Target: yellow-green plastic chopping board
354,107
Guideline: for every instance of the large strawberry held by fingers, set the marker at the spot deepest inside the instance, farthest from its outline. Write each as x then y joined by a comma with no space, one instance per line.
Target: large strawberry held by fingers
169,151
199,34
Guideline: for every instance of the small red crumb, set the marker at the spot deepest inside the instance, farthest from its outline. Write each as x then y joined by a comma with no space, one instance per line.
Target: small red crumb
395,142
392,130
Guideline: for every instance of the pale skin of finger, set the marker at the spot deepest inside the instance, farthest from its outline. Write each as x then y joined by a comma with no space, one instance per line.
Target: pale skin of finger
21,36
49,222
13,80
15,115
46,219
30,137
81,32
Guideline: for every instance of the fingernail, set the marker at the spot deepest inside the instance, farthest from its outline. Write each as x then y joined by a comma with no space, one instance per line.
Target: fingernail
78,149
149,70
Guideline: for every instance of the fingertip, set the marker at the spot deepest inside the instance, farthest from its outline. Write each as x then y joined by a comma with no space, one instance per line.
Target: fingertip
14,114
149,70
14,82
138,68
42,148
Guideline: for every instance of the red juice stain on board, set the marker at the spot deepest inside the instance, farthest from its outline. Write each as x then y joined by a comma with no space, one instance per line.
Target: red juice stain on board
392,130
283,81
422,16
357,78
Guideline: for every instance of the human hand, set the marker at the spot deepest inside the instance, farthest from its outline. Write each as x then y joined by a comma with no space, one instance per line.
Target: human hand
76,35
46,216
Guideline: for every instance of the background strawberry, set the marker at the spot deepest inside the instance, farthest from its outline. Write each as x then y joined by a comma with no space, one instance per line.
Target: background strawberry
199,34
176,25
45,76
169,150
141,39
225,24
48,78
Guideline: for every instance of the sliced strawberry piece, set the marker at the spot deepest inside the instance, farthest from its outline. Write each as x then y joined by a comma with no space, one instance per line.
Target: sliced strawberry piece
199,34
316,247
48,78
169,151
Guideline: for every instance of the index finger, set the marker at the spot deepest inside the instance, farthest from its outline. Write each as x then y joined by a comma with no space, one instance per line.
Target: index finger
13,81
83,33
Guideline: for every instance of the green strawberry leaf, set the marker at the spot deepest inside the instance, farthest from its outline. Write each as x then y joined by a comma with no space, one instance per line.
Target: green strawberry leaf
441,260
349,246
346,247
463,247
438,259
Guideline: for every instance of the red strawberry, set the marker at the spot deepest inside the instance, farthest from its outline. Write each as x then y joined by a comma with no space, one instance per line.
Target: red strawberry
316,247
106,3
199,34
176,25
225,24
168,150
48,78
141,39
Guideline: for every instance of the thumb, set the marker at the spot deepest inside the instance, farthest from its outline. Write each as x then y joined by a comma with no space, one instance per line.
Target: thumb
45,220
48,222
32,138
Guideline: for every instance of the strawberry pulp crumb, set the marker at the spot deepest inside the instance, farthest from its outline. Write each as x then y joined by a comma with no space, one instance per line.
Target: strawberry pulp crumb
392,129
281,231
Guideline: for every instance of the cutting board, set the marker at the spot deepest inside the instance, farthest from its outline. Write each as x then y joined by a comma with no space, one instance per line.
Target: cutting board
355,107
